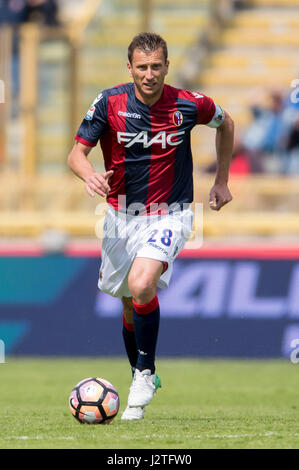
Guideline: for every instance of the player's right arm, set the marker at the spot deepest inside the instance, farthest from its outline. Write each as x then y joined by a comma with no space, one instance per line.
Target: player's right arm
87,137
81,166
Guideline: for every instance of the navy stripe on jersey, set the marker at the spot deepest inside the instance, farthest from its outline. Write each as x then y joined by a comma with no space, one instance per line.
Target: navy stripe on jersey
137,157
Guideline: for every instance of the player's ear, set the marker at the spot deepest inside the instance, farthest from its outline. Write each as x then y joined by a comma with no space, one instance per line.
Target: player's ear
129,68
167,65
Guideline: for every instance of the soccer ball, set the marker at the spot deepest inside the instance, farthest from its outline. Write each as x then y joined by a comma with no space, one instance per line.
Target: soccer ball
94,401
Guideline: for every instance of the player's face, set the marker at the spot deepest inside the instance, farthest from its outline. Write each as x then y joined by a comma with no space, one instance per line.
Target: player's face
148,70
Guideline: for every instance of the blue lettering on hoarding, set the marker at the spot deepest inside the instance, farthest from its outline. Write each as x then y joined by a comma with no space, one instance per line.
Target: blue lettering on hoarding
243,300
197,288
213,289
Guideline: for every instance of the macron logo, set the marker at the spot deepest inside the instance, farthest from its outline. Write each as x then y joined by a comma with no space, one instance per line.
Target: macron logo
142,353
129,115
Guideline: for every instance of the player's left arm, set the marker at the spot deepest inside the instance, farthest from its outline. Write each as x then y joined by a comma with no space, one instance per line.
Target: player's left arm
220,193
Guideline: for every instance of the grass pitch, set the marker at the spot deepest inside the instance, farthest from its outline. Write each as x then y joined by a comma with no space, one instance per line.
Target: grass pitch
203,404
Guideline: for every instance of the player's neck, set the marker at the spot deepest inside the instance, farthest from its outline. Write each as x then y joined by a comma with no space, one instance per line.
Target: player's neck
148,101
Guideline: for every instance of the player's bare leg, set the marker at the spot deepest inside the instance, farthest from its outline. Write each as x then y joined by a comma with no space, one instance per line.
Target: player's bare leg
143,279
128,309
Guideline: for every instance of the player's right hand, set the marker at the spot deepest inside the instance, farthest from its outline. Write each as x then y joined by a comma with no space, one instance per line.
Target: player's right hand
98,183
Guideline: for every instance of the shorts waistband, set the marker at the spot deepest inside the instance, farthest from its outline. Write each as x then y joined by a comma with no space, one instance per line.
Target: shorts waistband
179,208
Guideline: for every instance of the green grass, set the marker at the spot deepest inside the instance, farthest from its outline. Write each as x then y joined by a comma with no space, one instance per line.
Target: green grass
203,404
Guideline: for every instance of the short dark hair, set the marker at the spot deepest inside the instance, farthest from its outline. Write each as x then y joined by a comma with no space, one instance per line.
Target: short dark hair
147,42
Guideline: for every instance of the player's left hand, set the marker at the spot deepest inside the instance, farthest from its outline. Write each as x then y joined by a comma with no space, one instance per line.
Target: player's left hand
219,196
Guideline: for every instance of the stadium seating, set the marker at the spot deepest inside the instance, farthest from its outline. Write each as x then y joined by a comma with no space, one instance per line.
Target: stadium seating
262,206
232,74
108,36
256,51
275,3
101,61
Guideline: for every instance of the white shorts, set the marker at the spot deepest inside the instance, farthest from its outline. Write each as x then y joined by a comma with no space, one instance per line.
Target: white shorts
126,237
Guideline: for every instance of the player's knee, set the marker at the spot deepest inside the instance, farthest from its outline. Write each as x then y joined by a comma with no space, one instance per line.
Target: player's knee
143,289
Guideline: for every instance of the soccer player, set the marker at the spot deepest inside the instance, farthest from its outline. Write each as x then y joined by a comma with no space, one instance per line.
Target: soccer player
144,130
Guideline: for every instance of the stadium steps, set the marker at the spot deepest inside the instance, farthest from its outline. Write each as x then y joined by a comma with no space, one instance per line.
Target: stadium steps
257,37
122,38
106,41
33,206
275,3
29,206
82,224
102,62
122,5
69,10
256,52
249,78
236,60
104,51
251,60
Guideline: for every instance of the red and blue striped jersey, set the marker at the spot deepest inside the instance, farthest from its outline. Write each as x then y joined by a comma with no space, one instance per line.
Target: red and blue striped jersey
148,148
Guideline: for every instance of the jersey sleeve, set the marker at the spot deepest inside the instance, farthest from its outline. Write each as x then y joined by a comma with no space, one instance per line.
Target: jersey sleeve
218,117
208,112
94,122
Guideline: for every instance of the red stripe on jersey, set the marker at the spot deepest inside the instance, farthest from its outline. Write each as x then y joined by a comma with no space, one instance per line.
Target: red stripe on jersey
114,153
85,142
161,173
205,105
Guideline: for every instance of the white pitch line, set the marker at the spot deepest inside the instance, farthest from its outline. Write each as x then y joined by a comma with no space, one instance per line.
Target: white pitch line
159,436
215,436
36,438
